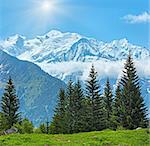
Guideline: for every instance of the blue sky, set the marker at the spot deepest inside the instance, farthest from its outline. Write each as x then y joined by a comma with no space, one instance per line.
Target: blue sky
102,19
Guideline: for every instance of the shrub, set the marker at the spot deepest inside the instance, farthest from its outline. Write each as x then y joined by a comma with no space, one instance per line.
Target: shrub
24,127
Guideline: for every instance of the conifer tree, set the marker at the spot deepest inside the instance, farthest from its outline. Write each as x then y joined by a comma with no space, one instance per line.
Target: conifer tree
100,113
74,110
108,100
119,107
70,112
95,106
58,124
10,106
78,108
134,108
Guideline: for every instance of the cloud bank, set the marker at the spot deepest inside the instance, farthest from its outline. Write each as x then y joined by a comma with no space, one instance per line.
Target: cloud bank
111,69
141,18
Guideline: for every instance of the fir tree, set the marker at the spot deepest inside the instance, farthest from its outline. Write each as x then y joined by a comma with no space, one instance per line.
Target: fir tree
95,106
10,106
58,124
100,113
78,108
70,112
108,100
74,110
134,108
119,107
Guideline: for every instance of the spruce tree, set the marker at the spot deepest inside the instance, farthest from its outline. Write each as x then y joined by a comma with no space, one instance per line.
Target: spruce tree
70,112
58,124
134,108
108,100
78,108
10,106
119,107
95,105
100,113
74,110
70,119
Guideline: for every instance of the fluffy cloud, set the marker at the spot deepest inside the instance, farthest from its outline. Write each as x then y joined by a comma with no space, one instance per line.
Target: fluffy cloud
142,18
112,69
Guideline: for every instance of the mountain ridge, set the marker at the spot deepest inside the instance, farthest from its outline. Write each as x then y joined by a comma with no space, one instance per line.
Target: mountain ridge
36,89
56,46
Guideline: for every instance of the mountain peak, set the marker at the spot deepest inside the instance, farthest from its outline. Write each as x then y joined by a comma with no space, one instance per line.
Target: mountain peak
54,33
122,42
15,38
13,45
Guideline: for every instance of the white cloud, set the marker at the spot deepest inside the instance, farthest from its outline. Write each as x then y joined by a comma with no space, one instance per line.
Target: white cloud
111,69
141,18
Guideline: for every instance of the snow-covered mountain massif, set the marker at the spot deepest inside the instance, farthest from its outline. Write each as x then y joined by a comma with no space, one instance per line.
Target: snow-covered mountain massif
70,55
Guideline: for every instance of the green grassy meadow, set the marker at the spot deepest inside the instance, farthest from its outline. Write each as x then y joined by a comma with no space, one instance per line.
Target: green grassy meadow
102,138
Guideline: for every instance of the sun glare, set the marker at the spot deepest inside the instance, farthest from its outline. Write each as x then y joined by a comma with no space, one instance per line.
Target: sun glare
43,13
47,5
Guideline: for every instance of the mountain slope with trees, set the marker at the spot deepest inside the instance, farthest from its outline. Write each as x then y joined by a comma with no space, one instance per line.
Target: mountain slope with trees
37,91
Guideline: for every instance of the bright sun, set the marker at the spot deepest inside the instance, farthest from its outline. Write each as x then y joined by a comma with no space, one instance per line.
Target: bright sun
44,12
47,5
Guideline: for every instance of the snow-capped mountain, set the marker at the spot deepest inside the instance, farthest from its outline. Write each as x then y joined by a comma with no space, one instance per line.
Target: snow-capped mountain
70,55
56,46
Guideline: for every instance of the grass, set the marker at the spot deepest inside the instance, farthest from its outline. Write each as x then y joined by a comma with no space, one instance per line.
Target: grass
102,138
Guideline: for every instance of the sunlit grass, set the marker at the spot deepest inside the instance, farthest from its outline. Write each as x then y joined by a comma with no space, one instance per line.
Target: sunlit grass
102,138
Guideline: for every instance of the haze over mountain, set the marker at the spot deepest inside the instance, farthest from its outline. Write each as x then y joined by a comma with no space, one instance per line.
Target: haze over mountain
70,55
36,89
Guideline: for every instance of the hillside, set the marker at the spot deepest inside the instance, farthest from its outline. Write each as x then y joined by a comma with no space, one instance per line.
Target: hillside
36,89
103,138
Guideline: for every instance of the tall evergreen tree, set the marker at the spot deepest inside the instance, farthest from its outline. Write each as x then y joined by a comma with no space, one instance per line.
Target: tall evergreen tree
119,107
70,112
134,108
95,113
78,108
100,113
108,100
10,106
58,124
